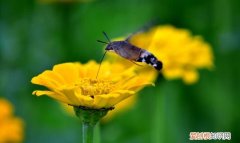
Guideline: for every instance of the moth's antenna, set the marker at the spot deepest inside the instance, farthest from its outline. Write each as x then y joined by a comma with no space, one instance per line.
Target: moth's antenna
106,37
102,42
101,63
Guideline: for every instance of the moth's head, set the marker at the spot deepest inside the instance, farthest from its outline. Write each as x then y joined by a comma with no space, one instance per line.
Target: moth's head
109,47
109,43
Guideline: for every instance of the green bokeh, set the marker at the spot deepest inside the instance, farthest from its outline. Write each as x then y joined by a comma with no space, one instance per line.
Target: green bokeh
35,36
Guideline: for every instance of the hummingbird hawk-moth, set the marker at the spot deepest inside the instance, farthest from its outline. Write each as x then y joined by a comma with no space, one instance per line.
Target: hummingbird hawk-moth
131,52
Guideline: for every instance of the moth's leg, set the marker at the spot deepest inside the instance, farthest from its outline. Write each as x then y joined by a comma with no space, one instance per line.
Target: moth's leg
135,63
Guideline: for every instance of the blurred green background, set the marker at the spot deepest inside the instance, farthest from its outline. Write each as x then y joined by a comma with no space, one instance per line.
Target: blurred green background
36,35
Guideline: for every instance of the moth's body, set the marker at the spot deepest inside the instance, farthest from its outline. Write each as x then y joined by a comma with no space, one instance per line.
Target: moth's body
125,50
133,53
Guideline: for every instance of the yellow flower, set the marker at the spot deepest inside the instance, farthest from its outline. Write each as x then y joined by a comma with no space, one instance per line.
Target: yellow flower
11,128
76,84
181,53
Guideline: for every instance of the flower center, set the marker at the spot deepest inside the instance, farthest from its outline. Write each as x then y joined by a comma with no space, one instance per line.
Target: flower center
95,86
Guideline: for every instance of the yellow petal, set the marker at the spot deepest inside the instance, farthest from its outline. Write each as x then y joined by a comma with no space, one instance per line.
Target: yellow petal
48,79
173,73
76,98
68,71
121,107
136,83
51,94
190,76
109,100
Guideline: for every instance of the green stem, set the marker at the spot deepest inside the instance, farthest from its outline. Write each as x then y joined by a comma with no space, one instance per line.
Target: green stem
89,118
87,130
97,136
158,120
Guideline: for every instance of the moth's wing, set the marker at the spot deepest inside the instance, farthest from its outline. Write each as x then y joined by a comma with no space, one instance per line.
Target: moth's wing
144,28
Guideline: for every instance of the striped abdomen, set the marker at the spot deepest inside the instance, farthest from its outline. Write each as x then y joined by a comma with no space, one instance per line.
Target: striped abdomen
150,59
